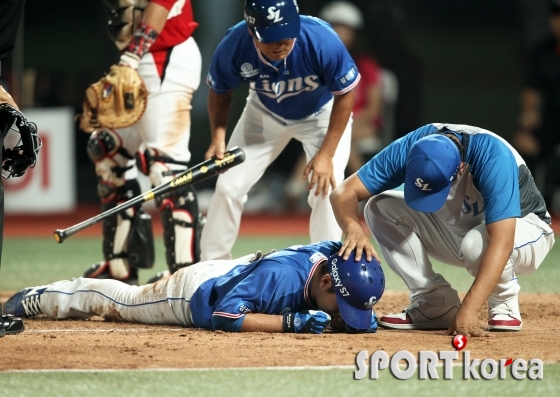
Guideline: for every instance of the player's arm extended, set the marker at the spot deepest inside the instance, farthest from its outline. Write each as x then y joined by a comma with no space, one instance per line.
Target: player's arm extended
501,237
255,322
218,112
307,321
344,200
321,165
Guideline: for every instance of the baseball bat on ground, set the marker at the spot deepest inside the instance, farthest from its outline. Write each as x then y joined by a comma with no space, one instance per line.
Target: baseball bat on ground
198,173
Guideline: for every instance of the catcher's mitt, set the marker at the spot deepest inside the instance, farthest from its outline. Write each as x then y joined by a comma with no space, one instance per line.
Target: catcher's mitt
118,100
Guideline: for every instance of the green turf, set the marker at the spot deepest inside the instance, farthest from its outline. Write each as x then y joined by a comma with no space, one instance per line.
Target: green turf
30,262
298,382
35,261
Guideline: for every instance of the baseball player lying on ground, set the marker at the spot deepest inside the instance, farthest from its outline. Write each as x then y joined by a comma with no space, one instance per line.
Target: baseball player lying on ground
297,289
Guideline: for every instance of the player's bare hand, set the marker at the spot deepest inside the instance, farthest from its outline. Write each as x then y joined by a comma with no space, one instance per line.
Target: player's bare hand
5,97
321,169
466,323
217,148
358,241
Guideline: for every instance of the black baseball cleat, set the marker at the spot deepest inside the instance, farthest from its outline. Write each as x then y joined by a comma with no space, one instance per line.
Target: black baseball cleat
102,271
11,325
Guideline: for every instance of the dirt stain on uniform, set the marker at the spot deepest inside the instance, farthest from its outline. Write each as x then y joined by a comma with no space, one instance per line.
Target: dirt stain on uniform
181,121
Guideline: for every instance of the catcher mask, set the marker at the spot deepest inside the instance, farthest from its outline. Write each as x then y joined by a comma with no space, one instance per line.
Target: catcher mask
24,154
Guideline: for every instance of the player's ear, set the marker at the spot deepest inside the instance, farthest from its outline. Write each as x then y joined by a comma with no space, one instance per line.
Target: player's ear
326,282
462,168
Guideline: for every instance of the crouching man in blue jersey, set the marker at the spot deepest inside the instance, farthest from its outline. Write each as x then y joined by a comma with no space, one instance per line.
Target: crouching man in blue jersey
296,289
470,201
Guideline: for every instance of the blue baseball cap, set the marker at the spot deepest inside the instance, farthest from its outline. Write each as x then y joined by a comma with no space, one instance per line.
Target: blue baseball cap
358,286
431,166
273,20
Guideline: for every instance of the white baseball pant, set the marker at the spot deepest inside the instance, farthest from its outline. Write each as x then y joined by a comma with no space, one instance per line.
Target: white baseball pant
164,302
408,239
263,136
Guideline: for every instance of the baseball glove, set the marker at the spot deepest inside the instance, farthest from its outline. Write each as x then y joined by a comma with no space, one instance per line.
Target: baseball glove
117,100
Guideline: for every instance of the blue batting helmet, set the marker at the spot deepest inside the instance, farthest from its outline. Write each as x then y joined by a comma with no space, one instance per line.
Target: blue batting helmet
272,20
358,286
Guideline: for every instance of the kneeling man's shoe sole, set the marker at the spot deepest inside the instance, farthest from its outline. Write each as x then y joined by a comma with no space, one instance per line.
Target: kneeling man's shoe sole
405,320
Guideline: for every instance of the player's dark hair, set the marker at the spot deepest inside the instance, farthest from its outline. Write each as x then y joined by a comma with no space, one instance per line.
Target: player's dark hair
457,143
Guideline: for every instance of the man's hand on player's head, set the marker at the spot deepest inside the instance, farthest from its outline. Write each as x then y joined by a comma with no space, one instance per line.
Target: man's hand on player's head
358,241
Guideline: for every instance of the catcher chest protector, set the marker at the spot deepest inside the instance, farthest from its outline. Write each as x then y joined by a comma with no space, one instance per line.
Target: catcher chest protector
182,223
127,236
124,16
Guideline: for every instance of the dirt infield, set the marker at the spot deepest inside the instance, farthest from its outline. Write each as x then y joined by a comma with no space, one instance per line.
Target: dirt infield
97,344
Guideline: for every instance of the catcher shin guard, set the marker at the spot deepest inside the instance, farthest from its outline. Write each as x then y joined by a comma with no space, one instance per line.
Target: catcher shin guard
179,212
128,242
127,236
180,218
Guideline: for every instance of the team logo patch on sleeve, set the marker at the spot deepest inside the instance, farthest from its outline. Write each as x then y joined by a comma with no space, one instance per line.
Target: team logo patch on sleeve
244,307
248,71
348,76
210,80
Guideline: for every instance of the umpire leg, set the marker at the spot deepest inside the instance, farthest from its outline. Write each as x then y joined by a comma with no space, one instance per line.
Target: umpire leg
8,324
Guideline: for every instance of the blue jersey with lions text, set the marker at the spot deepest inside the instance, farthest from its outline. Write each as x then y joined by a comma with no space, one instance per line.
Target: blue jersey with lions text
317,67
276,284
